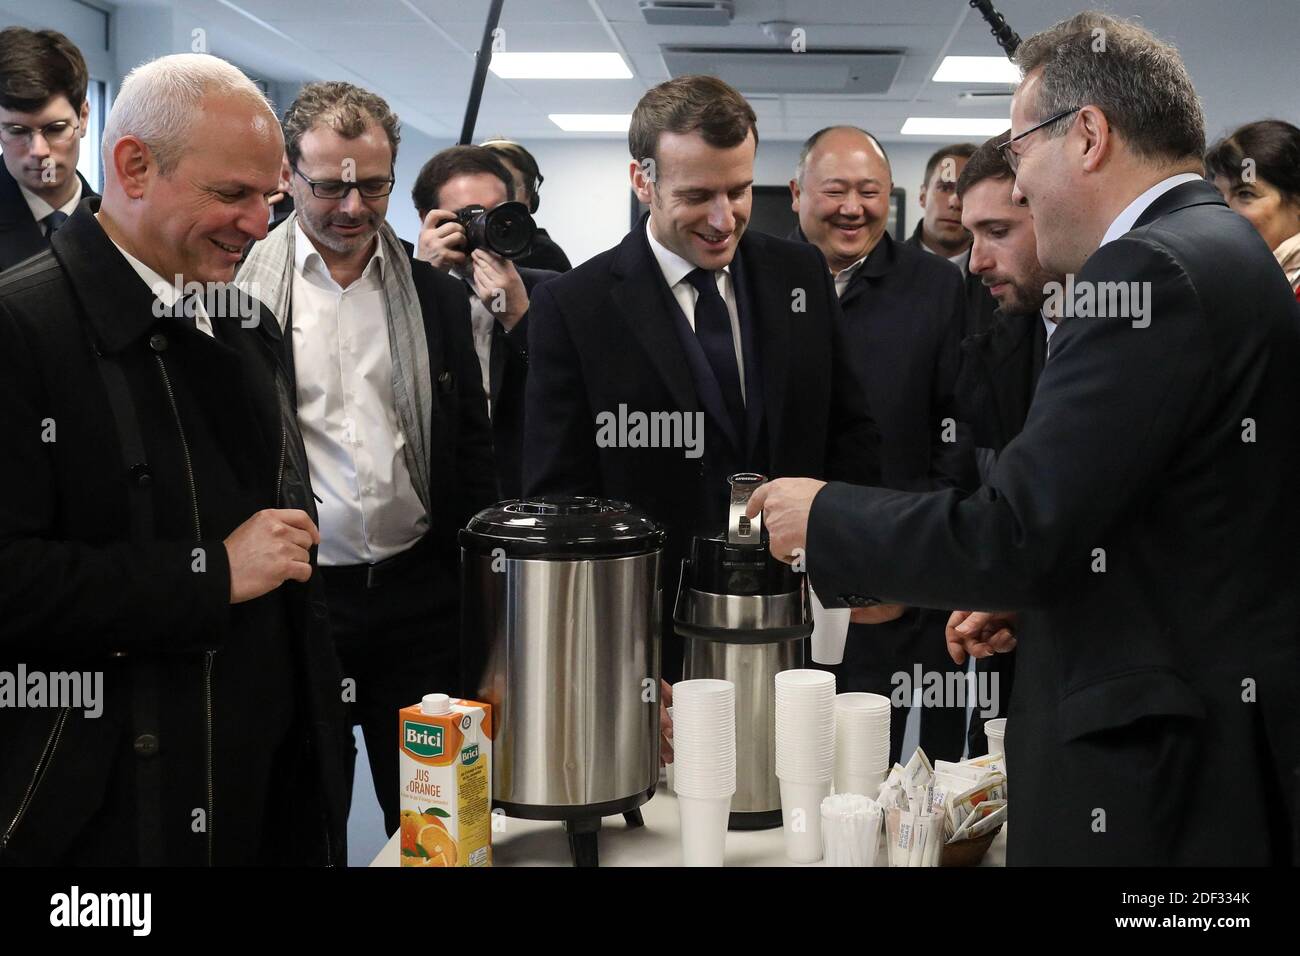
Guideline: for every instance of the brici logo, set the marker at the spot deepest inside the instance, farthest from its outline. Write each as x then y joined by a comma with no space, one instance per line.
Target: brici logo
423,740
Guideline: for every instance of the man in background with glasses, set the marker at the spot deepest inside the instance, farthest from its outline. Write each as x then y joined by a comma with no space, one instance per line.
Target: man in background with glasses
43,117
391,406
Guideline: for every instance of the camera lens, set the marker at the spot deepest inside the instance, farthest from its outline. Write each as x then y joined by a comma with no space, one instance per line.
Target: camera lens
509,229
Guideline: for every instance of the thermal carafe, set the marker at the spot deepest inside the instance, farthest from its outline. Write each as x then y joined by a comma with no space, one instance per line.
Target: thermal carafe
744,616
560,634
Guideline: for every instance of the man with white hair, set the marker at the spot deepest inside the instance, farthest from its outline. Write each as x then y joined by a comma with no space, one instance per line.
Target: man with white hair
156,521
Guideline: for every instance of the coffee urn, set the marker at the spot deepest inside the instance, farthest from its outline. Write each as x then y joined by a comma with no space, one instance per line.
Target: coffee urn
744,616
560,634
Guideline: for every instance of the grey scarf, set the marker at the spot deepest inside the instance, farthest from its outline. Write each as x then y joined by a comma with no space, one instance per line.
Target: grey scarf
267,275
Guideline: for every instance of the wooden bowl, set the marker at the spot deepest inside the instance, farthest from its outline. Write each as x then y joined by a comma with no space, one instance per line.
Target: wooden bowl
968,852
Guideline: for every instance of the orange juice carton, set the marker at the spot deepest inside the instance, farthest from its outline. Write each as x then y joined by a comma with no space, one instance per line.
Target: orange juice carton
445,769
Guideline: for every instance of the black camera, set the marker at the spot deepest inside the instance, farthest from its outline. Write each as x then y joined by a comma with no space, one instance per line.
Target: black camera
506,230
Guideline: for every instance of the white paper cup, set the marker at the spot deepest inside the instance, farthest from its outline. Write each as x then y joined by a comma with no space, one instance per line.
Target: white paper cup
805,681
704,829
704,739
801,819
995,730
830,631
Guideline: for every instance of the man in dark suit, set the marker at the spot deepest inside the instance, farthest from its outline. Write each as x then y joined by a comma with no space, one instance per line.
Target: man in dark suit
43,119
694,317
1144,520
903,316
156,521
391,408
941,232
1000,366
497,291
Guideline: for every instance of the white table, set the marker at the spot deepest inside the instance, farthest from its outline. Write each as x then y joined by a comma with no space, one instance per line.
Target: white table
658,843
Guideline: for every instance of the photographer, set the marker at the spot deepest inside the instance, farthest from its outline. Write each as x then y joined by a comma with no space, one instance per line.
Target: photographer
528,179
454,188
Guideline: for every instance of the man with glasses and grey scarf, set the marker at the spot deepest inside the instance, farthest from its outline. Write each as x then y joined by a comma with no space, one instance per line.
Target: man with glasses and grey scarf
391,407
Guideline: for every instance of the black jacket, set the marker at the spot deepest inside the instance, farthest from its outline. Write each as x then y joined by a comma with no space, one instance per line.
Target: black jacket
508,377
545,255
610,334
980,304
198,693
1157,689
903,317
999,372
21,236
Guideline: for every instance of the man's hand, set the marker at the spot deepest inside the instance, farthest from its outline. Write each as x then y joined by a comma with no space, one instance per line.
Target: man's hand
877,613
665,723
785,504
442,241
980,634
268,549
500,288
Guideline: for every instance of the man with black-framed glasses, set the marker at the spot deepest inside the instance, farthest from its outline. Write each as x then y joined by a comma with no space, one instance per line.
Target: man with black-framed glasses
1143,520
391,407
1012,153
43,118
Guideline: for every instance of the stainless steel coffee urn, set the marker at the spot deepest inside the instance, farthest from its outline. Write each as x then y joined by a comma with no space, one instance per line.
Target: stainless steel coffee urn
560,634
744,616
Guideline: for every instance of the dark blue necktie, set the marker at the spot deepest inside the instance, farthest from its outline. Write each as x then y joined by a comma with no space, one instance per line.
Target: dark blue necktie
713,329
53,221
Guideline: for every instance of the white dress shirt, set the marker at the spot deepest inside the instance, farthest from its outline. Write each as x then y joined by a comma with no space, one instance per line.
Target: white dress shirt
845,275
166,292
40,208
1134,210
675,270
962,262
346,409
482,322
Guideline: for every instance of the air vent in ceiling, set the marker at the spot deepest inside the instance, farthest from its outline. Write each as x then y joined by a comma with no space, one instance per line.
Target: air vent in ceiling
683,13
765,70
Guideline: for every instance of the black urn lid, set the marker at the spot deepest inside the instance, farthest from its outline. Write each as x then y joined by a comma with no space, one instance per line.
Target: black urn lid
719,566
562,527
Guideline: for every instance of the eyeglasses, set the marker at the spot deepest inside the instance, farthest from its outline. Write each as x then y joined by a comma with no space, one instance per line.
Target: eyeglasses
1013,158
56,133
336,189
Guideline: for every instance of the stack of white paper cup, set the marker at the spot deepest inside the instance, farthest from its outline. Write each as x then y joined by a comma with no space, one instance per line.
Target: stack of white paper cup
861,743
670,765
704,762
830,631
805,756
